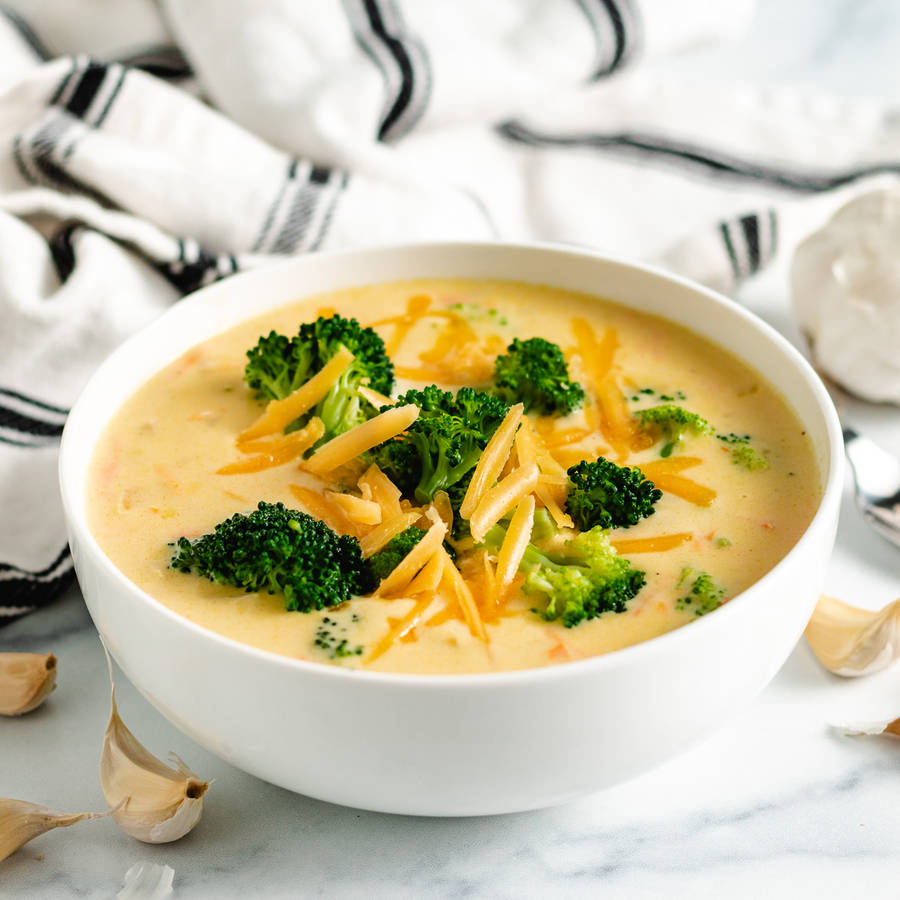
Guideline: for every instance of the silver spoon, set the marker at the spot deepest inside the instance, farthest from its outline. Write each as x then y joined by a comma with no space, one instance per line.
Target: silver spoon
876,476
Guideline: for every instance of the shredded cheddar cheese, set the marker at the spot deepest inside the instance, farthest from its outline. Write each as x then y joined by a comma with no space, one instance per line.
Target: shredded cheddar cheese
319,507
280,413
387,530
514,543
501,498
464,598
357,510
397,581
376,398
275,451
357,440
491,461
429,576
657,544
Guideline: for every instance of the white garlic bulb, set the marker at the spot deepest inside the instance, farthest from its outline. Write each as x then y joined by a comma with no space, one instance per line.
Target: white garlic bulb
845,281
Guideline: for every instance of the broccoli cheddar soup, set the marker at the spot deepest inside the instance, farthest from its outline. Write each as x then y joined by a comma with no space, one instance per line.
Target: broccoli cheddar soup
451,476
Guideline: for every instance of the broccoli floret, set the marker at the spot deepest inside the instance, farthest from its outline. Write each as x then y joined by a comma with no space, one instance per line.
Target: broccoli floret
586,579
609,496
672,423
280,551
742,454
394,552
443,445
329,638
535,372
278,365
703,596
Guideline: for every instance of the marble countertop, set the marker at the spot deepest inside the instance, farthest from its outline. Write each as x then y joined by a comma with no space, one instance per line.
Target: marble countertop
776,803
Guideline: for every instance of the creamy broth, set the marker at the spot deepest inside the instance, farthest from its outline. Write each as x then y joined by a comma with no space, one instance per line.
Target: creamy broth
153,475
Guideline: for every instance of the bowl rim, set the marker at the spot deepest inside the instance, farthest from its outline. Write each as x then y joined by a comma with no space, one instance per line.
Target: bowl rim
74,506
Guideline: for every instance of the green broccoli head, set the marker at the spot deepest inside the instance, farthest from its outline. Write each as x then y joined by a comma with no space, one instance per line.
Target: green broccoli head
279,551
277,365
394,552
439,450
535,372
609,496
703,596
585,580
672,423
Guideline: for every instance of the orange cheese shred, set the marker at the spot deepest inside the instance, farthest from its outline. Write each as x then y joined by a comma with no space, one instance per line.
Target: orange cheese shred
357,440
275,451
409,566
513,547
614,419
357,510
375,398
464,598
319,507
280,413
387,530
688,490
429,576
501,498
384,492
671,466
657,544
546,495
400,628
491,461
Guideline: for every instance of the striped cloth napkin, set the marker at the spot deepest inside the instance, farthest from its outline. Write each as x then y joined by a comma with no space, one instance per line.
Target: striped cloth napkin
148,149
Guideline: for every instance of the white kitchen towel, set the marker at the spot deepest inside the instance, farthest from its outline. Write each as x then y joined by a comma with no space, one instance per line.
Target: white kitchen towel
148,149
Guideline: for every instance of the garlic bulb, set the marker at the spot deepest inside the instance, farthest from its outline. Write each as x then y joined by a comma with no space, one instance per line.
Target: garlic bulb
845,281
851,641
159,803
25,681
21,821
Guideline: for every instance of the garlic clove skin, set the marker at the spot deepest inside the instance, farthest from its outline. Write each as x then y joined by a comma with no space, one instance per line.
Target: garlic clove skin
26,679
159,803
845,284
21,822
850,641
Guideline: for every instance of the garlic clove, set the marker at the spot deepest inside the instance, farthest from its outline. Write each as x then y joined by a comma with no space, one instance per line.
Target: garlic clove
25,681
21,821
867,729
159,803
147,881
850,641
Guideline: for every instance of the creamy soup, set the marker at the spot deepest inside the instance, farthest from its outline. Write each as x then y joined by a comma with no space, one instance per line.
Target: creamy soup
731,510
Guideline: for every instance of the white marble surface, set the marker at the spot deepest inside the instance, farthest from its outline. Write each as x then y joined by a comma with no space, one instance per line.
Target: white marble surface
776,803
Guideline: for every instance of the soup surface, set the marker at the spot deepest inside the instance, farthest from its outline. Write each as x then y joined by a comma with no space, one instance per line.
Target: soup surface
729,510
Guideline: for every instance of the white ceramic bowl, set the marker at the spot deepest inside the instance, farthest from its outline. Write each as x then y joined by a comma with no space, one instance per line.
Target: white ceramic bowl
456,744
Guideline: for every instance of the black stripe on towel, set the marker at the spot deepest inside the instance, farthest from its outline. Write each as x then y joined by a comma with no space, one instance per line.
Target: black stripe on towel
24,595
750,242
40,404
616,34
61,557
401,58
16,421
165,62
62,248
696,157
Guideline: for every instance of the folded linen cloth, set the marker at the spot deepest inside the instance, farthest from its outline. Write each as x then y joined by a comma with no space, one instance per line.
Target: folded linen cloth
147,150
